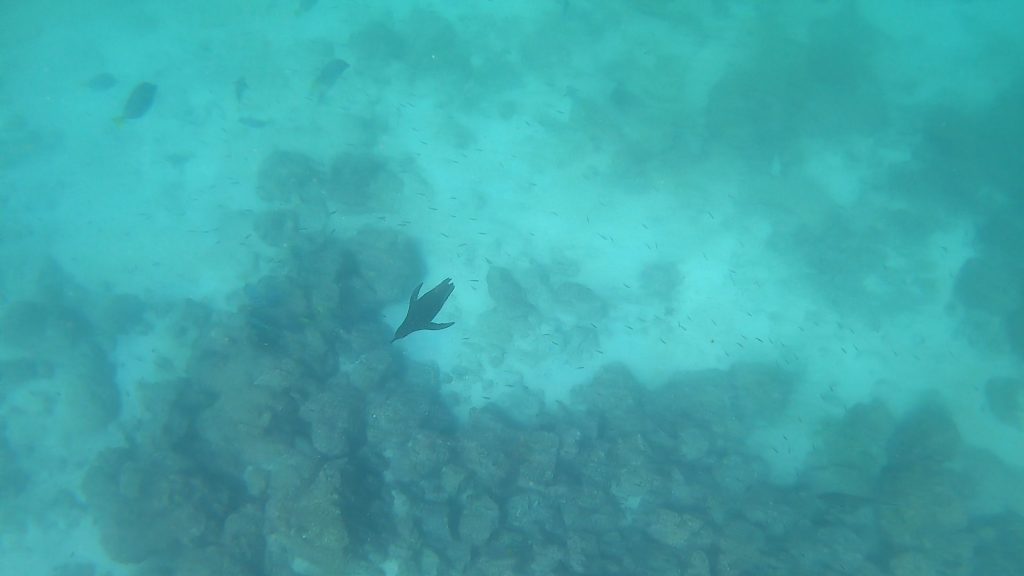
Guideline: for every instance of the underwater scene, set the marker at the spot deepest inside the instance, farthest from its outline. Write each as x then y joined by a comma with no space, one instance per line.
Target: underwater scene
522,288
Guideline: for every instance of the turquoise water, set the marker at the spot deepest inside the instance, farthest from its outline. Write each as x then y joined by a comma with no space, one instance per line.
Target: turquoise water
737,288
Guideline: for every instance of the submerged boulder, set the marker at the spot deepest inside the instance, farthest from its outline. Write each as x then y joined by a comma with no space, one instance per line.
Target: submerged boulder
305,528
153,505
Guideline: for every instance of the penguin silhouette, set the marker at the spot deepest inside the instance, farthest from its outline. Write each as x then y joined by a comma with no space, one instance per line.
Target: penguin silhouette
422,309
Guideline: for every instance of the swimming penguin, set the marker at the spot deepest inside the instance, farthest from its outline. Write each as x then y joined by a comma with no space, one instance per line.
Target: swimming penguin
422,309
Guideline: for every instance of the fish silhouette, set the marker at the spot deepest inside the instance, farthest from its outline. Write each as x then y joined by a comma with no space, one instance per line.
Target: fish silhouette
138,103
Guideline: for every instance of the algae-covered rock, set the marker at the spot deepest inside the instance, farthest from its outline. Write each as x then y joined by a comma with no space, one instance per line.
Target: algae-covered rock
615,399
589,509
335,418
388,263
851,450
13,477
582,552
912,563
1013,324
150,505
394,417
251,418
671,528
539,456
760,392
736,473
360,180
1005,397
421,457
288,177
508,294
91,399
742,547
279,227
242,537
636,479
205,561
532,511
435,521
493,565
306,530
61,353
74,569
49,327
483,448
274,306
691,444
922,495
702,399
21,370
989,284
927,436
478,519
922,506
998,549
579,303
697,564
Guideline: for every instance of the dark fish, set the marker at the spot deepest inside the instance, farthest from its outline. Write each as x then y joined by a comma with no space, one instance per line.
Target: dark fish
240,87
423,309
139,102
22,370
305,6
101,82
327,77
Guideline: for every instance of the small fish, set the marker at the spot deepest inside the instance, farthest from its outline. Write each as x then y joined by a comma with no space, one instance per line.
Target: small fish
101,82
138,103
327,77
423,309
240,88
